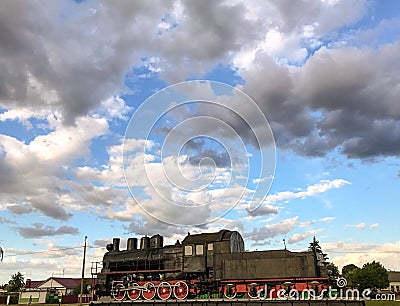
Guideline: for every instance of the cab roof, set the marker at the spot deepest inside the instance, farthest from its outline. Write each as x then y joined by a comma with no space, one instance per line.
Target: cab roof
208,237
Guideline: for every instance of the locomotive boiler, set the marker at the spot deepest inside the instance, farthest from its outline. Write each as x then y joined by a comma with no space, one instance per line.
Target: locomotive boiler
207,264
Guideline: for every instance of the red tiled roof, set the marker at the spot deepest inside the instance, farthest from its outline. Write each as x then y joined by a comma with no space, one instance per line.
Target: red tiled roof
67,282
30,284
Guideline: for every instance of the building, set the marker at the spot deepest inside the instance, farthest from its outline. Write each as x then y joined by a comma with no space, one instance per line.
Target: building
394,281
63,285
53,289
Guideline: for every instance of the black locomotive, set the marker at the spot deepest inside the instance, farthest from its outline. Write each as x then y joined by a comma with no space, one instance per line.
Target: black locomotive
208,264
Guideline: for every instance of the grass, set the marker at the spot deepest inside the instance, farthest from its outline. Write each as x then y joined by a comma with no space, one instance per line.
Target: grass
382,303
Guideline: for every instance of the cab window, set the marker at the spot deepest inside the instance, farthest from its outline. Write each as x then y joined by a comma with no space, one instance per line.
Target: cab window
188,250
199,249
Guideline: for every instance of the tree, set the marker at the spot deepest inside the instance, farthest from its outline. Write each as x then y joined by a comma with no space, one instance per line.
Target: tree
316,248
347,268
353,276
77,289
16,282
333,270
371,275
319,258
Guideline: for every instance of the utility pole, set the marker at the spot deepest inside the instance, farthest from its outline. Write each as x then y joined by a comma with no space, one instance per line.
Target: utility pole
83,272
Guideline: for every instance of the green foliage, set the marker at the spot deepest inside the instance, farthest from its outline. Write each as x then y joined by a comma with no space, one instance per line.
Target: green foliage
315,247
77,289
371,275
16,282
348,268
333,270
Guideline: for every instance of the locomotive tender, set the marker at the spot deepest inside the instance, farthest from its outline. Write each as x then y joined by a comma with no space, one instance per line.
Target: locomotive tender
208,264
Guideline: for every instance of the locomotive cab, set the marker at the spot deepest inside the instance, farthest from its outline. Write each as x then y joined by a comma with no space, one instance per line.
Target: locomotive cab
199,250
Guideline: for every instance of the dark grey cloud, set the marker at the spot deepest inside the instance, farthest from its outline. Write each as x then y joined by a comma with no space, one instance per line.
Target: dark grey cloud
101,242
39,230
50,206
272,230
51,62
72,61
20,209
343,99
220,159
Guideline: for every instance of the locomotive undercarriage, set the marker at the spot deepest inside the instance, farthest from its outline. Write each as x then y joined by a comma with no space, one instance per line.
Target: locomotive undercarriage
195,288
149,290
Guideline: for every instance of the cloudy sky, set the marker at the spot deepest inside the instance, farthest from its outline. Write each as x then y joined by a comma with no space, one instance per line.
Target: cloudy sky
293,132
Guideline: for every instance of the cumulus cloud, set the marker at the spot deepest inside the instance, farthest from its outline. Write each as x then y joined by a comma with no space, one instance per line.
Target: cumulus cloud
272,230
40,230
310,191
342,91
40,166
333,82
39,265
298,237
359,253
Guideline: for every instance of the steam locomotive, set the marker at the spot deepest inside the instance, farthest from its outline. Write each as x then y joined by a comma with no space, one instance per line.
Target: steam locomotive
203,265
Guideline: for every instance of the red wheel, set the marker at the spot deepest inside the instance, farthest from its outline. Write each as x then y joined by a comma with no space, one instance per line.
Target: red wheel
118,291
181,290
164,290
150,291
134,294
230,291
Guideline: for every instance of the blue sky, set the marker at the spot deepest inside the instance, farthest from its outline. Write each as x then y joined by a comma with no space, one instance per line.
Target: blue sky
83,151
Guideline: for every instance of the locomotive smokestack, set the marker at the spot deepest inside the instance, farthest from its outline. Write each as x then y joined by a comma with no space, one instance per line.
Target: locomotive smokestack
116,244
156,241
131,245
145,243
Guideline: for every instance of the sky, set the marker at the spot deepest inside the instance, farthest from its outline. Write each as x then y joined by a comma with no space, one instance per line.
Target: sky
279,119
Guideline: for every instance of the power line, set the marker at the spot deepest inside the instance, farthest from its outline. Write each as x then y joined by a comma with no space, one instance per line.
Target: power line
43,251
361,252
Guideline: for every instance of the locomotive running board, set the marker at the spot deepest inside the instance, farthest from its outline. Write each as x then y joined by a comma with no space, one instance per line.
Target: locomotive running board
143,271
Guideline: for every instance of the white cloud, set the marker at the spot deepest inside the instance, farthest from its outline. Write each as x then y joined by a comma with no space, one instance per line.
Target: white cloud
361,225
360,253
373,226
307,223
327,219
310,191
41,165
298,237
113,108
